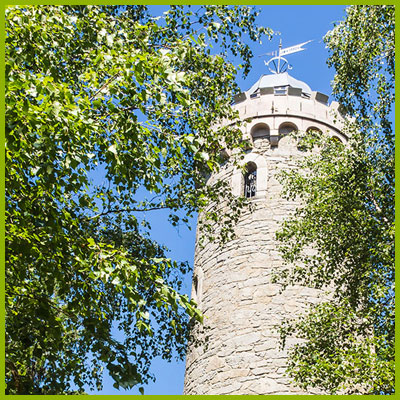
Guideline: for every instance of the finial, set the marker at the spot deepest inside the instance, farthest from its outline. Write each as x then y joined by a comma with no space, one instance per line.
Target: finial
277,64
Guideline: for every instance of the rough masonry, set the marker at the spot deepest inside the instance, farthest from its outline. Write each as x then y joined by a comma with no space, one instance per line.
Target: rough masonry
232,283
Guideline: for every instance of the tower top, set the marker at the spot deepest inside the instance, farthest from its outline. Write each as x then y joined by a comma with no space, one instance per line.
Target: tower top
279,81
278,64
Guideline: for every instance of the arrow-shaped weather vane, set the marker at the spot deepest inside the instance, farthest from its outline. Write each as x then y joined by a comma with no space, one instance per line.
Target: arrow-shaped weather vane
277,57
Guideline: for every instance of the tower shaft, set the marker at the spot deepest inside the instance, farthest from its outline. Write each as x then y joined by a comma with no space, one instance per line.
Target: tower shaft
232,283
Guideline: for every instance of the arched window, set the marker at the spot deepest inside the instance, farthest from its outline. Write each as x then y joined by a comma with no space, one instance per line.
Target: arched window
287,128
336,140
302,143
312,129
250,180
254,175
260,131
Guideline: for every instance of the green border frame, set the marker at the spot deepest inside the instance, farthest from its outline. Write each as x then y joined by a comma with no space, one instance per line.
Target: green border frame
2,188
2,205
397,205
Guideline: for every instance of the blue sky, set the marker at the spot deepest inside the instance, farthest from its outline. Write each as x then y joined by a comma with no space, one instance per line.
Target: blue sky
296,24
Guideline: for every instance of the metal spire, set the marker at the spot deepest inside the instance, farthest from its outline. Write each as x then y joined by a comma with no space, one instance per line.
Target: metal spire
279,55
278,63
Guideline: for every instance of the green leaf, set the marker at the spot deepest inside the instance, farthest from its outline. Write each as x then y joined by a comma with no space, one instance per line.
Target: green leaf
113,149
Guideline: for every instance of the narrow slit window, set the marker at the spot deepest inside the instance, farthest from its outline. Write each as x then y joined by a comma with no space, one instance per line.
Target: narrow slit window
250,181
196,285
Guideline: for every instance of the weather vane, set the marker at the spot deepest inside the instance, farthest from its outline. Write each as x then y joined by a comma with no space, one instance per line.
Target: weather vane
277,64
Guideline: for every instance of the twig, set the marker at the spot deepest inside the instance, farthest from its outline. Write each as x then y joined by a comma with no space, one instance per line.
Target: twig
104,86
115,211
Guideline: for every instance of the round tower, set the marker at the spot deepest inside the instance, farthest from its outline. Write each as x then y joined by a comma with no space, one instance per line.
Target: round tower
232,283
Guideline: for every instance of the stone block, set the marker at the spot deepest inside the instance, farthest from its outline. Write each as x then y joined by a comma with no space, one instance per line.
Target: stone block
230,388
268,386
214,363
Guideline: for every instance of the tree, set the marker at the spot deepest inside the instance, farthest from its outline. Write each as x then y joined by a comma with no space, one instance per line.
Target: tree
347,216
116,92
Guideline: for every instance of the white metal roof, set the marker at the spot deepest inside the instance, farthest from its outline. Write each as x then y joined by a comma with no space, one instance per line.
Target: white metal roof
275,80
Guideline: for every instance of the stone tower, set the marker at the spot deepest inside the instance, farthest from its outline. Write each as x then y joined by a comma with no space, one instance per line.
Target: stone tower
232,283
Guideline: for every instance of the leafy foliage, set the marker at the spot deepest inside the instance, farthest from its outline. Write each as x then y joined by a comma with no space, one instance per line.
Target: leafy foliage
347,218
135,99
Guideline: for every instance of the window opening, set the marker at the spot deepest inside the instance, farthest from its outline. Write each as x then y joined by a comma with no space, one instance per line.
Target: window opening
286,128
196,285
336,140
260,132
250,181
255,95
280,90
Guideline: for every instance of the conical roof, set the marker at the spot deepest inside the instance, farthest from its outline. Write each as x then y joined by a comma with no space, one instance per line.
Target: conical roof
279,80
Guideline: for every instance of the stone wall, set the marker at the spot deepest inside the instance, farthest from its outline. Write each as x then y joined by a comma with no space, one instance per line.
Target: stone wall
233,287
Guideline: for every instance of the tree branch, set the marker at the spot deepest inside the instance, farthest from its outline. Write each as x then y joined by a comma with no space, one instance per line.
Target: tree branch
113,78
117,211
379,209
49,302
